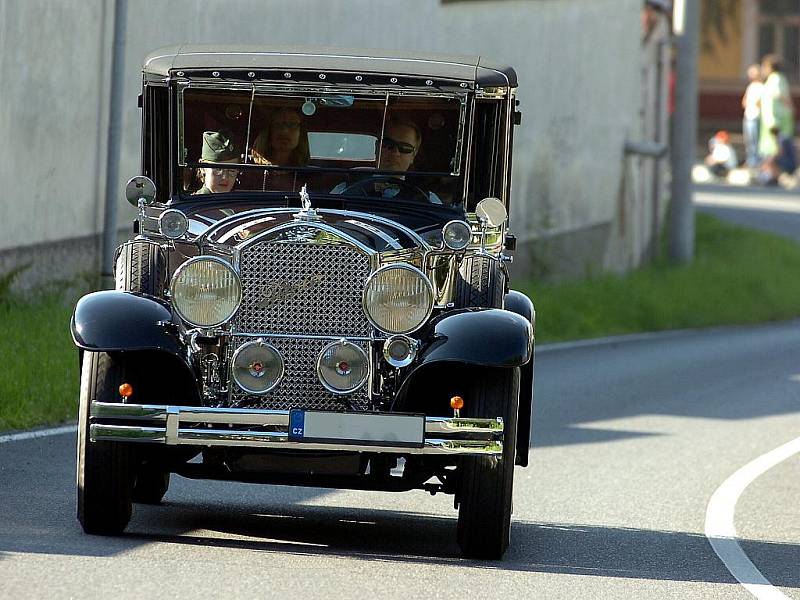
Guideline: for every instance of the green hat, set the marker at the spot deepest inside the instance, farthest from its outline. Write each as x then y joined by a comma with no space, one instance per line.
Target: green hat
217,147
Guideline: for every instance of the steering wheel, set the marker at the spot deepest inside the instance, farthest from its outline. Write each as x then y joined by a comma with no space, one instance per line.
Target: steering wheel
408,191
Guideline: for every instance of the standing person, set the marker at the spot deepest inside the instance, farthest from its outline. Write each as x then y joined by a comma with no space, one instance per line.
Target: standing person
776,106
751,103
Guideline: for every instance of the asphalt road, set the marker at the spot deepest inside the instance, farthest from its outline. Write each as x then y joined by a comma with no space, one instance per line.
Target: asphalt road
632,438
771,209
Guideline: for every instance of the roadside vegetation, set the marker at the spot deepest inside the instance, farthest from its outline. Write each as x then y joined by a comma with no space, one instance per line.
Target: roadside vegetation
38,362
739,276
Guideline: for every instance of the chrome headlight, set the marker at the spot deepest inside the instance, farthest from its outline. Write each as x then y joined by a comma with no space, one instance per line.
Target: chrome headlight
398,298
206,291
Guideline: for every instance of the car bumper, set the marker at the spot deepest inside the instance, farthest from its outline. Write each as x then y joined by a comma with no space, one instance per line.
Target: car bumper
201,426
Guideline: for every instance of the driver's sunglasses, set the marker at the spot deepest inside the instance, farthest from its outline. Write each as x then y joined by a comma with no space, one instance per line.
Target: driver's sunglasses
401,147
225,172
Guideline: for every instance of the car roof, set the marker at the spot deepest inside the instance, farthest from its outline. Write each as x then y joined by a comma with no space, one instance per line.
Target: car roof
476,69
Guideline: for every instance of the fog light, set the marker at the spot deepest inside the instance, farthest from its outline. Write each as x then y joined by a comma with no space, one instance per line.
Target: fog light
342,367
257,367
399,350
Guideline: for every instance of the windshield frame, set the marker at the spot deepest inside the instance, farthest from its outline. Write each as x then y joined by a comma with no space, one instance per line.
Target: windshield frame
296,90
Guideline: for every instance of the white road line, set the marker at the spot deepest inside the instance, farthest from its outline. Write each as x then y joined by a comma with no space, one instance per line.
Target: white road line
29,435
757,203
721,531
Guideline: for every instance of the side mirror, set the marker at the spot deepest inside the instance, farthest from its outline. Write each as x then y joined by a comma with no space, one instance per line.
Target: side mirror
492,212
140,188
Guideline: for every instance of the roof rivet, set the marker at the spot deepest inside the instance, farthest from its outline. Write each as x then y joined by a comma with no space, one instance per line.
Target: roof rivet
179,73
359,78
251,74
215,73
393,80
287,75
322,75
429,82
463,85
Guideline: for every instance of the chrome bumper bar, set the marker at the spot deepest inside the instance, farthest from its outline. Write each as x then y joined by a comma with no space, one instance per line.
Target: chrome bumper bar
201,426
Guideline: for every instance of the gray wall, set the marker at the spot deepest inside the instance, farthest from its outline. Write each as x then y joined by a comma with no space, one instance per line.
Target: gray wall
578,63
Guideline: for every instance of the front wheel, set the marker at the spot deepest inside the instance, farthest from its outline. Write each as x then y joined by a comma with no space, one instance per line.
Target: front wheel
486,483
105,469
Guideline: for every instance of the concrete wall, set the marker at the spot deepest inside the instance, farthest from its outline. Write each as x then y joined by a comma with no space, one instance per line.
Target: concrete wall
578,63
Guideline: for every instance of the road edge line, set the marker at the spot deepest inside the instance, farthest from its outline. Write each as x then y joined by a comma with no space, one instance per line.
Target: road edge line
39,433
720,529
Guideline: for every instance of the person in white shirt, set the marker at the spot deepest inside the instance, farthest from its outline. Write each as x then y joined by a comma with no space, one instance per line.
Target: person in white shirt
751,103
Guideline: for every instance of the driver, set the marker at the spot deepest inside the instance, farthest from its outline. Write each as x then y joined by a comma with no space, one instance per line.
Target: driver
396,152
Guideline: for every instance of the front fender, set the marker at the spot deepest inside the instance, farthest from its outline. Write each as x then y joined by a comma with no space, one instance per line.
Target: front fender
522,305
487,337
112,321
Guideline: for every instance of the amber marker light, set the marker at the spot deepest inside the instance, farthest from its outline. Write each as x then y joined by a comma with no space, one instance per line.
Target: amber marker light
126,390
456,403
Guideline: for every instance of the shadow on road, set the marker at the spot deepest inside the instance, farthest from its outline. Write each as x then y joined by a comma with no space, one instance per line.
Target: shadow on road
402,537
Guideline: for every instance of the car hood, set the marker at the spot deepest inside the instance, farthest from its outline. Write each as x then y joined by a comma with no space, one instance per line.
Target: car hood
239,224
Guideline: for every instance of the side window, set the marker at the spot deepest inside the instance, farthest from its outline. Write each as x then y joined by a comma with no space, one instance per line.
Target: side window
486,176
155,145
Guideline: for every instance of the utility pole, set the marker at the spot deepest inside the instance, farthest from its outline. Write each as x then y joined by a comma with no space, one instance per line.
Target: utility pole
686,18
112,194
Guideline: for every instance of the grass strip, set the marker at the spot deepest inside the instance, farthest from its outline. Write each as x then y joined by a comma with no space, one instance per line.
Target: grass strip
39,374
739,276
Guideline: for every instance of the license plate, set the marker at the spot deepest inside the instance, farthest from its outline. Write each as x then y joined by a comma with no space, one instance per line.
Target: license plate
360,429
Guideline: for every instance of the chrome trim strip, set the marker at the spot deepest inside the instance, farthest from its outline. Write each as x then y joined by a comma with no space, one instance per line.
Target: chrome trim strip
311,336
162,424
272,439
346,238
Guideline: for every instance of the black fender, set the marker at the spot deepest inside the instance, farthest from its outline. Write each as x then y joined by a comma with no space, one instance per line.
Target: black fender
520,304
141,329
112,321
486,337
471,337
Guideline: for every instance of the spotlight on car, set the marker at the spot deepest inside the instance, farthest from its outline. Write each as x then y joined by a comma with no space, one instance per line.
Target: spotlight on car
456,235
173,224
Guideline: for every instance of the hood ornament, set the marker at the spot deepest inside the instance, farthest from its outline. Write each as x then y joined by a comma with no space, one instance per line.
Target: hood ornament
306,212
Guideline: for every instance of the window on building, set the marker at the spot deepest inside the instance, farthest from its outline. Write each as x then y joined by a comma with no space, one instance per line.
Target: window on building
779,33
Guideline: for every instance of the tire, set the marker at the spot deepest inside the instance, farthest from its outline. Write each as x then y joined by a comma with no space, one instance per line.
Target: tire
486,483
105,469
481,282
140,268
151,485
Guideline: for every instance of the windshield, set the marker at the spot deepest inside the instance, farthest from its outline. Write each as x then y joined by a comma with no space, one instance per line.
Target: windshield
380,146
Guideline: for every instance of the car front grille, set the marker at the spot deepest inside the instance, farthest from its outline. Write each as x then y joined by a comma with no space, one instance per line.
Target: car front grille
301,290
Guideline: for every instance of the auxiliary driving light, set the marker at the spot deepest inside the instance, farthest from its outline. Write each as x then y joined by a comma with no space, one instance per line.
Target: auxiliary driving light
399,350
173,224
257,367
342,367
456,235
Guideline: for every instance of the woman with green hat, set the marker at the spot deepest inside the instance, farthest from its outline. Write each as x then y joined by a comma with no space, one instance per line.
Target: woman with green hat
217,148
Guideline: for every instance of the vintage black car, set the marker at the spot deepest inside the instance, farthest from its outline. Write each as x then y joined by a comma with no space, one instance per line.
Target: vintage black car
316,291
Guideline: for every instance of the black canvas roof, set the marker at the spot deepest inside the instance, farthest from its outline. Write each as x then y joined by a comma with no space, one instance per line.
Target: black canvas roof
330,59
